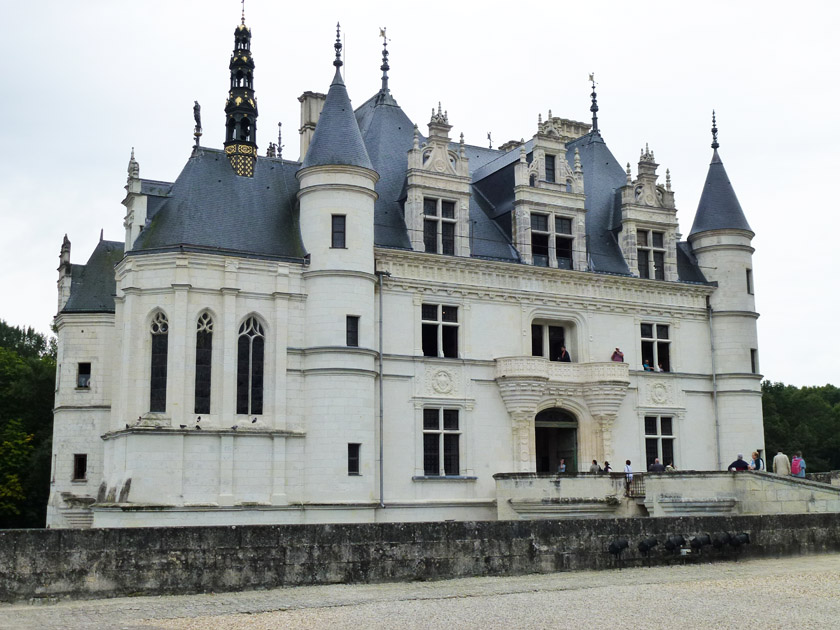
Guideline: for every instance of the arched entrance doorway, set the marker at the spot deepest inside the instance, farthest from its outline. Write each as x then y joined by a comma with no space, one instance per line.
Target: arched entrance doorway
555,438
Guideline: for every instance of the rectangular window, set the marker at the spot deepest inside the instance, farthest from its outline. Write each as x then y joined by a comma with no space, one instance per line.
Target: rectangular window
439,226
549,168
547,341
353,451
339,231
441,443
659,440
754,360
552,243
353,331
650,250
440,330
656,348
749,282
79,467
83,376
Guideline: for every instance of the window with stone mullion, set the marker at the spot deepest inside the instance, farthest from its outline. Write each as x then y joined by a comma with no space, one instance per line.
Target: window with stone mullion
249,368
441,443
439,226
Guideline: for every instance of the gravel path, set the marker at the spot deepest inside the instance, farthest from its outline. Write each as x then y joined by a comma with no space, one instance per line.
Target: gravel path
801,592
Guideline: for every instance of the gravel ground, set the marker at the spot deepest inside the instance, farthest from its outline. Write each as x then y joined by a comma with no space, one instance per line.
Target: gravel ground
801,592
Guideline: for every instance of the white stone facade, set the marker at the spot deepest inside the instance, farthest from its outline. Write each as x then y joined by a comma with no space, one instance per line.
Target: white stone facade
461,352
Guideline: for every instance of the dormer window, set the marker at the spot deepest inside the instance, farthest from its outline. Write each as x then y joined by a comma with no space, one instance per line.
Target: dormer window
552,241
439,226
651,253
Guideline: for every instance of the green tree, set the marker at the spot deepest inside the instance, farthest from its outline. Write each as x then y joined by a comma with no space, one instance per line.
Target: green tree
803,419
27,391
15,451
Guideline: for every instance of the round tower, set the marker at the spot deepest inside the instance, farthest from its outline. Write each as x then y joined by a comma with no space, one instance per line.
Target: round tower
721,239
337,199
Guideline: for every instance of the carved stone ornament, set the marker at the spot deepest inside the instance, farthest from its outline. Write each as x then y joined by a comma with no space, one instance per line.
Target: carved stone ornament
660,393
441,382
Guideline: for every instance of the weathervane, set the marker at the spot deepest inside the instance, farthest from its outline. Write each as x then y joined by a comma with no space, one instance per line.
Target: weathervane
490,139
197,116
384,67
594,108
715,144
243,11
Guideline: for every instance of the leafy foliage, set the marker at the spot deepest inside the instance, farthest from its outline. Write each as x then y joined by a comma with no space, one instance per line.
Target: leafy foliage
803,419
27,391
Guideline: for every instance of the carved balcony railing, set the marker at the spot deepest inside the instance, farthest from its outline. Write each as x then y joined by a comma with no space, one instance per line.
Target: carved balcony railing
540,368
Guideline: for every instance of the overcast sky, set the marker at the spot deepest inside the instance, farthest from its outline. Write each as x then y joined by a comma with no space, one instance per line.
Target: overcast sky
87,80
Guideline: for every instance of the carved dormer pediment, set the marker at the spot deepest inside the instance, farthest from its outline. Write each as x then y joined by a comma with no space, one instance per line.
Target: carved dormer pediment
438,191
648,237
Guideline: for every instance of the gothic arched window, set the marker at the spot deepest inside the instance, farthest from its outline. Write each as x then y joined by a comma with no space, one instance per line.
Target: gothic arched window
203,360
249,367
160,351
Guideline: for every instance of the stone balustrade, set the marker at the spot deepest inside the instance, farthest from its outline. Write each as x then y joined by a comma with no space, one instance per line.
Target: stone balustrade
539,368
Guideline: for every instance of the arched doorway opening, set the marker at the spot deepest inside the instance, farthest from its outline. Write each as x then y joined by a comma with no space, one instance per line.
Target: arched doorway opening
555,437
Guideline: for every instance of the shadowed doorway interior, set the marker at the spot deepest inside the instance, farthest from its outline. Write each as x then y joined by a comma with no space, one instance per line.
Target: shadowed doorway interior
555,439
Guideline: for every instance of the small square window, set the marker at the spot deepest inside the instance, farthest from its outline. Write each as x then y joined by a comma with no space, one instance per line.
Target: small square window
353,464
447,209
563,225
647,331
658,239
80,467
650,425
430,207
539,222
641,239
83,376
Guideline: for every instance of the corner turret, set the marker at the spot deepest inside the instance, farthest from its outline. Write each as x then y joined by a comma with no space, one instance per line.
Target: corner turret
721,239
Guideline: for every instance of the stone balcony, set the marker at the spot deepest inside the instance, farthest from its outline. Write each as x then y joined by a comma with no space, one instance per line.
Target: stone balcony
539,368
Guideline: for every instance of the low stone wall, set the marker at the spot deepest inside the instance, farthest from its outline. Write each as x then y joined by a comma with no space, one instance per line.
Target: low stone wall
831,478
117,562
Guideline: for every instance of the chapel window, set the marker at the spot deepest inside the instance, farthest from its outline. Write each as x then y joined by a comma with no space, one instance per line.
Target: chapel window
203,362
249,367
160,352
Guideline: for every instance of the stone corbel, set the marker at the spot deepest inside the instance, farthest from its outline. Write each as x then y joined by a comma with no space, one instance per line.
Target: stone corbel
604,401
521,397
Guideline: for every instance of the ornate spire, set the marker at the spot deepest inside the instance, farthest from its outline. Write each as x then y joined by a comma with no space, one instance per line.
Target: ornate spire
715,144
241,106
280,140
668,179
594,108
384,67
133,166
243,12
197,116
338,62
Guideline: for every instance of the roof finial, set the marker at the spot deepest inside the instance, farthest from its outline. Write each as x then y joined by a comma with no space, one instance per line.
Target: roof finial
594,108
490,139
280,140
384,67
337,63
629,174
416,144
197,116
668,179
715,144
243,11
101,234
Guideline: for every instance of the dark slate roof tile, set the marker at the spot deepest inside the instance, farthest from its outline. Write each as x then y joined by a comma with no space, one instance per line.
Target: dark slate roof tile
687,268
719,207
337,139
93,286
210,208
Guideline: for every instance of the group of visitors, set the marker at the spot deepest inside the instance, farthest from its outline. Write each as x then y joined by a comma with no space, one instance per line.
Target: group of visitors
794,467
781,464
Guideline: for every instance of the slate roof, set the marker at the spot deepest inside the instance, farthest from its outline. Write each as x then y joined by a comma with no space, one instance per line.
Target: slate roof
210,208
337,139
719,207
93,286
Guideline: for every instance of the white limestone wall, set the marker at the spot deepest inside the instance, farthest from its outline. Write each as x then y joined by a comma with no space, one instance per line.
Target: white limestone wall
725,256
81,414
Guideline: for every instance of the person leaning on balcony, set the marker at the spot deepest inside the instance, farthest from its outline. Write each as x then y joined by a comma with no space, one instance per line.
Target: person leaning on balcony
739,464
628,476
617,356
781,464
656,466
594,467
564,356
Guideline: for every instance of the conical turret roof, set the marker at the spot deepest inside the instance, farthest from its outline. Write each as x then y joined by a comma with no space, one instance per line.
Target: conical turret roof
337,139
719,208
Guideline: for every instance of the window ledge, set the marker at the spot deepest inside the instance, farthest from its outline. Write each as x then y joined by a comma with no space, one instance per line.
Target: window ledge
443,478
78,481
83,389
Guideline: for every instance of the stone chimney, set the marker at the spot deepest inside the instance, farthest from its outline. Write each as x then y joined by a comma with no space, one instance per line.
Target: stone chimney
311,104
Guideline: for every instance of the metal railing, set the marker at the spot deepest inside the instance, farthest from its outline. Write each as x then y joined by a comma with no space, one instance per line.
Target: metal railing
634,489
